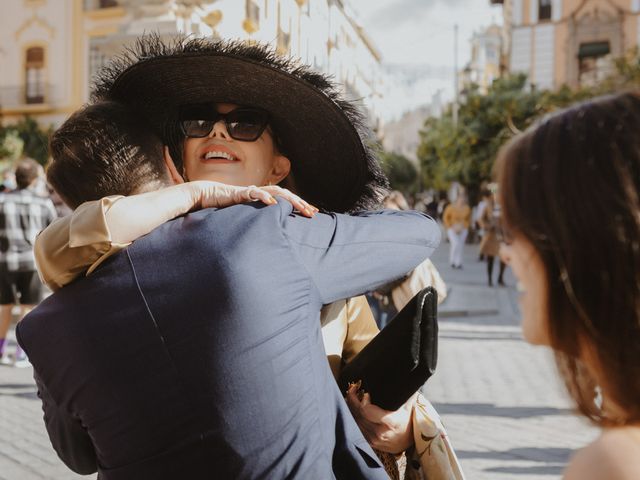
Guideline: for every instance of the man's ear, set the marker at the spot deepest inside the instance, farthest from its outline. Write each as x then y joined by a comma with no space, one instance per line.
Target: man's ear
171,167
280,170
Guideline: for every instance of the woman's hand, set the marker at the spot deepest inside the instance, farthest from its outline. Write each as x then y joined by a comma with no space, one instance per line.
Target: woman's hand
206,194
384,430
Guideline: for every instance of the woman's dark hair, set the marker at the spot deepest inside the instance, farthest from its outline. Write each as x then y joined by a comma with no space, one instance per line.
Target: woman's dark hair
571,187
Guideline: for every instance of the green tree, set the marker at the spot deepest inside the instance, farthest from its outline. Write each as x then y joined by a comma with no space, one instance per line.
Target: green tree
11,146
627,72
35,138
465,152
402,174
25,138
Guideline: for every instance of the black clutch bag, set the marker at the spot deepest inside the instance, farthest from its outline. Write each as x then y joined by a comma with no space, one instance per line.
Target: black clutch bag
402,357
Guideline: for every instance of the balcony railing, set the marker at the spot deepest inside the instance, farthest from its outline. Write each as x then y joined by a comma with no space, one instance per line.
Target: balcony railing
16,97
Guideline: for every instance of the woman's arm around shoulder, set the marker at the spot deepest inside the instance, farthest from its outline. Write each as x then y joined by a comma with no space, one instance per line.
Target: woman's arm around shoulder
76,244
67,247
361,327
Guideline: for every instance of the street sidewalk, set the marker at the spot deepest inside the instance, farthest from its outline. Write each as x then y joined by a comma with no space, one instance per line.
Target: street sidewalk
468,290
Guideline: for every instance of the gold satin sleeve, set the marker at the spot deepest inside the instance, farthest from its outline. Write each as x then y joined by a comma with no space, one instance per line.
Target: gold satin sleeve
361,327
347,326
75,244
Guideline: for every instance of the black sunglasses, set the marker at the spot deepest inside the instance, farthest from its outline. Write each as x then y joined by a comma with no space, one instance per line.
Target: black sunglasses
244,123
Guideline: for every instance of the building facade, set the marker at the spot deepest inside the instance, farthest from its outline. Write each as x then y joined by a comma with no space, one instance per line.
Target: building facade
402,136
485,64
568,42
51,49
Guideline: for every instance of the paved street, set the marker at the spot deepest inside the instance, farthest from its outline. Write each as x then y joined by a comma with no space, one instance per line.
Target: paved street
506,414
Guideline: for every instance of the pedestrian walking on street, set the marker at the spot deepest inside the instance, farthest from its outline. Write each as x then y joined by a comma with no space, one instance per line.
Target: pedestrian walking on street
23,214
477,213
490,244
456,219
431,207
570,192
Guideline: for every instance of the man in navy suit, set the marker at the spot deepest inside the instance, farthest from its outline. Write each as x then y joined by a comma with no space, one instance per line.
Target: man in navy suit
197,353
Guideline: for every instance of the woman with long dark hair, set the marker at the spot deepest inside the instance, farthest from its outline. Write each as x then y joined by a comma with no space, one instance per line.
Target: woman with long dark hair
570,196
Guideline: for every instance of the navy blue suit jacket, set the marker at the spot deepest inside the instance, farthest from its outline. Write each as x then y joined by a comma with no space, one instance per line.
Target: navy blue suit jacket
197,352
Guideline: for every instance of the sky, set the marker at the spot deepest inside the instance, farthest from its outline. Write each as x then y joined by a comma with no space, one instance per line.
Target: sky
416,39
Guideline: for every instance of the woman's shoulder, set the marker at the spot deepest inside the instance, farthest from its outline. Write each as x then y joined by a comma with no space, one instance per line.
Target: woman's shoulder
615,455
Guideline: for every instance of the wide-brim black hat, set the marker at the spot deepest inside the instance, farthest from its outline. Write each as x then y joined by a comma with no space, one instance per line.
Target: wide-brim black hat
334,163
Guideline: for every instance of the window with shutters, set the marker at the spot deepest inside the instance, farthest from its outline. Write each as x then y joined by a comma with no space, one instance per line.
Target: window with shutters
544,10
34,75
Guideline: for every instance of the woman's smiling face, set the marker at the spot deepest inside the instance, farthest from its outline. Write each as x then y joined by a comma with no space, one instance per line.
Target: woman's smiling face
220,158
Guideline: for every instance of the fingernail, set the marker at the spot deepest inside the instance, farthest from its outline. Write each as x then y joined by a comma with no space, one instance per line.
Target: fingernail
272,201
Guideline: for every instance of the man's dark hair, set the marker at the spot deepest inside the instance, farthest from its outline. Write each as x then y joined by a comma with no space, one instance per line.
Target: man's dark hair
26,172
104,149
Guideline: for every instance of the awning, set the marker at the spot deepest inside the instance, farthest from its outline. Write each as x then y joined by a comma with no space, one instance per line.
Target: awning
595,49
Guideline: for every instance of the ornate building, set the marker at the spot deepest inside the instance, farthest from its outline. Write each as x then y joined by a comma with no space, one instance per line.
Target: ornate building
50,49
485,64
572,42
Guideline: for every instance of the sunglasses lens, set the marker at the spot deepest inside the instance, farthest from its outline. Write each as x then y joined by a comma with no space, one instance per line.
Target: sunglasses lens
197,128
246,125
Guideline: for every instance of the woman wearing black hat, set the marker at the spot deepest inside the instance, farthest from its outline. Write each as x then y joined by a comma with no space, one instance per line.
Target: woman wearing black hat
220,106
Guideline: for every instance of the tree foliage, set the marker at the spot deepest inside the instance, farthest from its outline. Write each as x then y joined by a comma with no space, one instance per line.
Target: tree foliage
401,172
25,138
465,152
